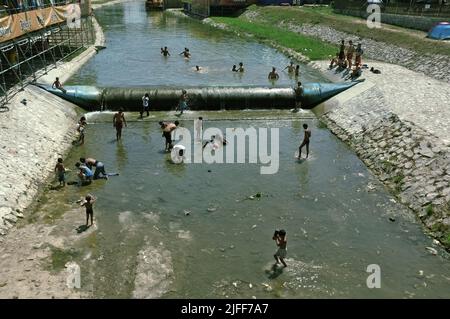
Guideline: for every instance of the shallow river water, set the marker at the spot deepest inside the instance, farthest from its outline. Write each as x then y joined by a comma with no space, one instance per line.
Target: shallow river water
192,230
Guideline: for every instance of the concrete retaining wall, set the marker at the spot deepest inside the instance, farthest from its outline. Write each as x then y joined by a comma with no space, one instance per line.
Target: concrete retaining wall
413,22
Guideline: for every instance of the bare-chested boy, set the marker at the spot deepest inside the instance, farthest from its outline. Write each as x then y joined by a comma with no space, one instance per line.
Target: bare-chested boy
118,123
305,142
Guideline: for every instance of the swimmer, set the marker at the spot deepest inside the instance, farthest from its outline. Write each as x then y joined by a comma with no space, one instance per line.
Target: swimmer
234,68
241,67
290,67
165,52
273,75
186,53
297,71
197,68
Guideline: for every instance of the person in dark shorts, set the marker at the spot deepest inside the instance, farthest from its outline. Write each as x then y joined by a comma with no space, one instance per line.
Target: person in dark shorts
281,241
167,128
88,204
305,142
60,171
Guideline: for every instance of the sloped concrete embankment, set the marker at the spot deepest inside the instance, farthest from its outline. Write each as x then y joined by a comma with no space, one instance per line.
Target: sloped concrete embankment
33,136
402,135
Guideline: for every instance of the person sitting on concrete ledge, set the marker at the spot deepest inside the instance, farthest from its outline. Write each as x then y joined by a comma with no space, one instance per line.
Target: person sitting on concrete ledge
334,61
357,71
58,85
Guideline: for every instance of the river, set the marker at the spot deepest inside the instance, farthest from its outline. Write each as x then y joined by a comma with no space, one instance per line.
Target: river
192,230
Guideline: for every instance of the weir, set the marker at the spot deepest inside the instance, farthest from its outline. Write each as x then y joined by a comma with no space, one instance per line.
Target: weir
200,98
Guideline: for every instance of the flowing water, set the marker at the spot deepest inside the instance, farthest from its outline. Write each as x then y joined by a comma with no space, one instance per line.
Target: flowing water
192,230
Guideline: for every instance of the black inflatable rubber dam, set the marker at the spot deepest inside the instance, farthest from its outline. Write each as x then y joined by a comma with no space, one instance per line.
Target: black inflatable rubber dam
92,98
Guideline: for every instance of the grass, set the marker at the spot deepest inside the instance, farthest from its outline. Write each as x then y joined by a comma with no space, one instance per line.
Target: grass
307,46
398,182
405,38
429,210
60,257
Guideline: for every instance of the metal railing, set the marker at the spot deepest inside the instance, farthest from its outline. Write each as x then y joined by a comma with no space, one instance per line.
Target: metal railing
25,59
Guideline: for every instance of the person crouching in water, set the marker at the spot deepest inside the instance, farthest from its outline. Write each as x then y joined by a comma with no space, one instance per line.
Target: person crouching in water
281,241
167,128
84,175
99,167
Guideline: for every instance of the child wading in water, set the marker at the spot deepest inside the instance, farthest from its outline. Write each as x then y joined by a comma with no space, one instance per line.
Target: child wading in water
60,172
89,201
280,239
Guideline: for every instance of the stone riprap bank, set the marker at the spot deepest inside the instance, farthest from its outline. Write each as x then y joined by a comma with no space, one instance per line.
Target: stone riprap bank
398,123
33,136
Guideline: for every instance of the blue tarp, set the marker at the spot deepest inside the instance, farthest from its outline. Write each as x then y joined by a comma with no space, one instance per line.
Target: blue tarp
440,31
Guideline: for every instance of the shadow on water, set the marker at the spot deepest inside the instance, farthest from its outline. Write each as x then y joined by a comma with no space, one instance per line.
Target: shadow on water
82,228
274,272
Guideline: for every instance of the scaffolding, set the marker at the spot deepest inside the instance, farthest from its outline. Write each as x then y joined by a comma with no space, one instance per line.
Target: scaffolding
23,60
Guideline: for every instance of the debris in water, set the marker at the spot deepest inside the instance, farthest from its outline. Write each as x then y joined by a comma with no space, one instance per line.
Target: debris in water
212,209
431,250
420,272
235,284
392,219
187,212
250,285
254,226
436,242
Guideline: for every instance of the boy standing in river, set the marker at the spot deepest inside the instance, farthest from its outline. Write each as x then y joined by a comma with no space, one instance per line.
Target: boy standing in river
305,142
60,172
88,204
281,241
118,123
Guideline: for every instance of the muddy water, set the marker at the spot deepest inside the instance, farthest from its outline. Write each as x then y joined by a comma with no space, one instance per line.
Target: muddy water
192,230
